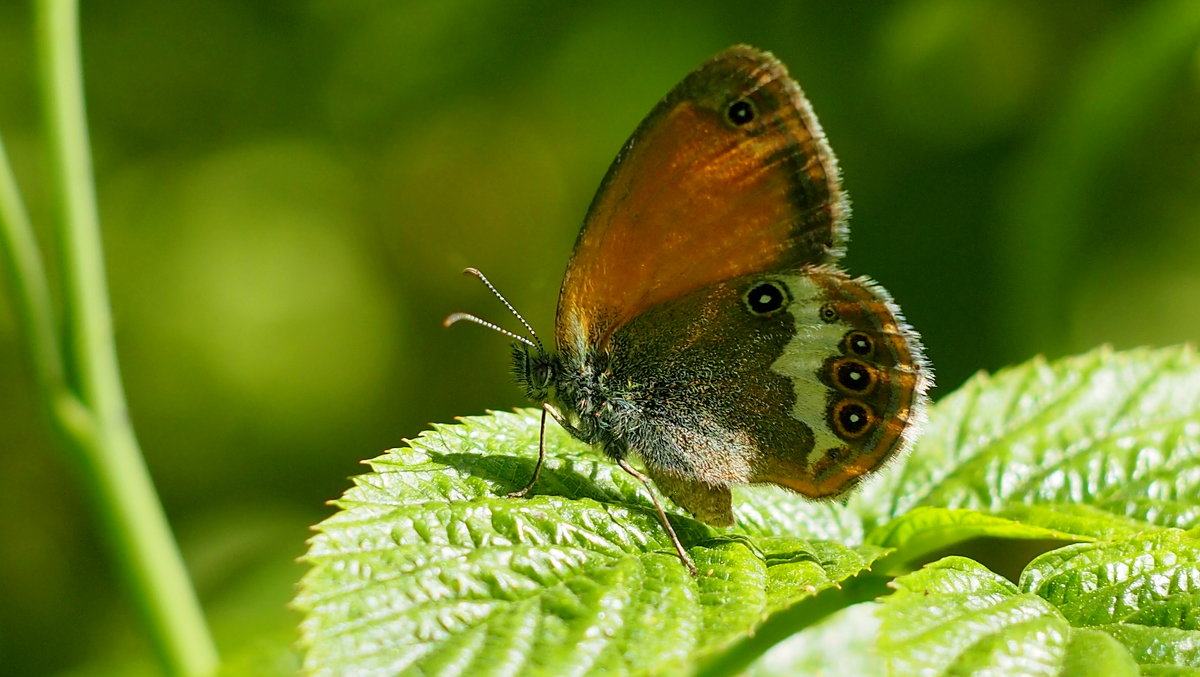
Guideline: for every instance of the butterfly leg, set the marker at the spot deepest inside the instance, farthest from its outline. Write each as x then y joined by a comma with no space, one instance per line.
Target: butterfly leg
662,516
537,469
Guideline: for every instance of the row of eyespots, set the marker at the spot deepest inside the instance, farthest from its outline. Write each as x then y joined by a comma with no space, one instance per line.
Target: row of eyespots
850,417
770,296
850,374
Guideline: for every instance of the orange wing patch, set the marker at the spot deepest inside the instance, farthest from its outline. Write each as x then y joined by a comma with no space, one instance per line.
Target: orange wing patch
696,198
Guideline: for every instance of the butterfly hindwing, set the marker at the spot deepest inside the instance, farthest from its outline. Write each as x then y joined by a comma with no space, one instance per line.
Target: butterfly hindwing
809,380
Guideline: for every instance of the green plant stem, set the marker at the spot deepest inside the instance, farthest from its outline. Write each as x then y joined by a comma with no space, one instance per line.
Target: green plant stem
100,430
27,279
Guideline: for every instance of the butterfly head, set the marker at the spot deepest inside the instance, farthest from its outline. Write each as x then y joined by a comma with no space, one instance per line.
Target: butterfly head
535,370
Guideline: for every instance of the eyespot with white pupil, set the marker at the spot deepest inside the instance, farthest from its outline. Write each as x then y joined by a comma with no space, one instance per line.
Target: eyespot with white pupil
852,419
767,298
853,376
740,112
859,343
829,314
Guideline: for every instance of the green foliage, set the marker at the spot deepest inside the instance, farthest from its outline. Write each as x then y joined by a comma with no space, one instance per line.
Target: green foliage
453,575
278,181
428,568
956,617
1121,607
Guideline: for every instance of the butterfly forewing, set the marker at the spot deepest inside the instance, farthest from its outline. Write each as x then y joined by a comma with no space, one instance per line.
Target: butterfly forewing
729,175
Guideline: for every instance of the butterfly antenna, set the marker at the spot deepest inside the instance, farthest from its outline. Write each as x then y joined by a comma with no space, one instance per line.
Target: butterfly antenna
468,317
457,317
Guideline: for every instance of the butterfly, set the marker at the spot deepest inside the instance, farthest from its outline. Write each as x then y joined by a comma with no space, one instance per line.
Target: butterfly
703,324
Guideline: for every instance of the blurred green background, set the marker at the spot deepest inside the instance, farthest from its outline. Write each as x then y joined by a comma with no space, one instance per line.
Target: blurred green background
289,191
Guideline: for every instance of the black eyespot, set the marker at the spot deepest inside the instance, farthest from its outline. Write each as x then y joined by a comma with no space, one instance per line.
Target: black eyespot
767,298
829,314
740,112
852,418
858,342
853,375
837,454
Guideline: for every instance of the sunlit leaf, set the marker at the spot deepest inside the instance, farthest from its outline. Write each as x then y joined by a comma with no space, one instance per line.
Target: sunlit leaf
1143,591
1117,433
429,567
954,617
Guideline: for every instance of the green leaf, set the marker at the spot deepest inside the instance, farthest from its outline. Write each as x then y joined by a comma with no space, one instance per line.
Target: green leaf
1093,652
767,510
1097,446
954,617
1120,607
429,568
926,530
1159,651
843,644
1143,591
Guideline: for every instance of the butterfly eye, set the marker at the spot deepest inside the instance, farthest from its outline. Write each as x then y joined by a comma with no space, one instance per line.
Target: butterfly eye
740,112
767,298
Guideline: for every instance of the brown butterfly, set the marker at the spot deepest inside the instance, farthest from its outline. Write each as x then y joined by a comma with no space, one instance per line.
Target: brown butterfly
703,324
